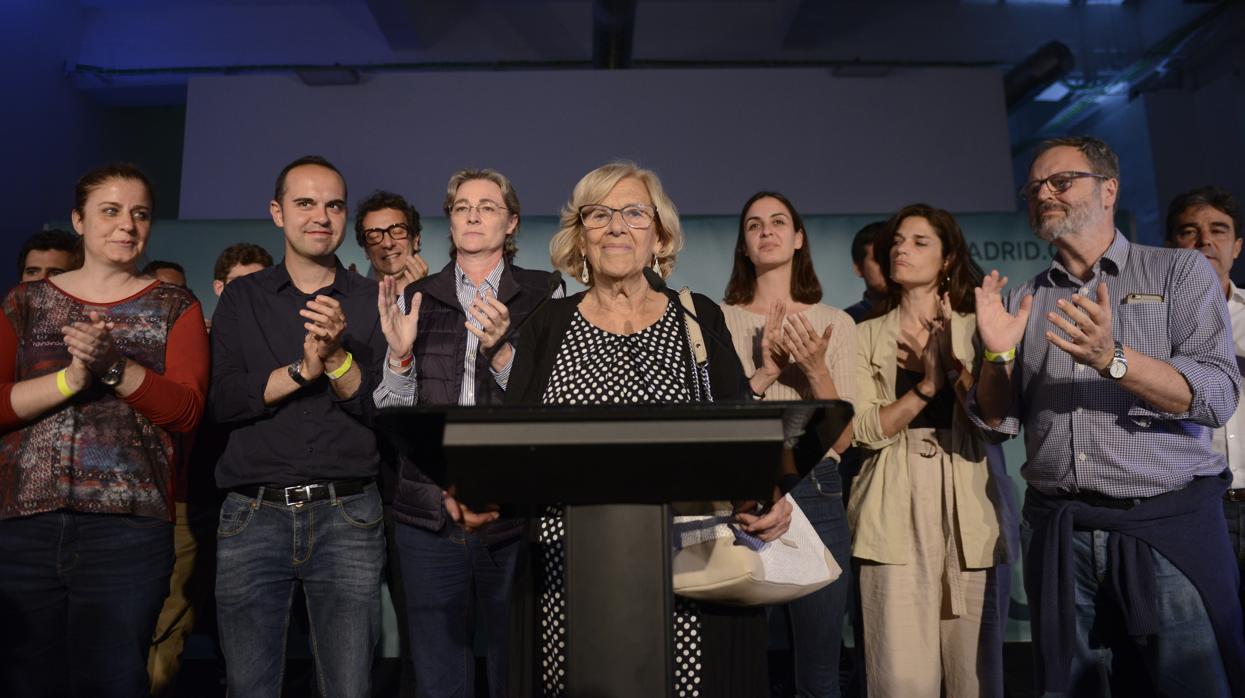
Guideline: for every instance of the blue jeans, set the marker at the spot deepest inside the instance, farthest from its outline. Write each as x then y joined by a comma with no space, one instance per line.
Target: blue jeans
1182,659
451,577
334,548
817,619
79,597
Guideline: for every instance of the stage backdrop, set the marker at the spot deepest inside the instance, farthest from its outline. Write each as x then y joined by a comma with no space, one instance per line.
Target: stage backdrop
835,141
997,241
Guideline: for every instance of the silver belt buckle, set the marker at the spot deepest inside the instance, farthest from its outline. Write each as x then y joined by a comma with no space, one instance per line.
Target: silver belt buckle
306,489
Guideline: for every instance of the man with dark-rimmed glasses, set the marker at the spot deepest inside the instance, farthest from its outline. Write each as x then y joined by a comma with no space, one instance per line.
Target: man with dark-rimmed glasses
388,228
1118,362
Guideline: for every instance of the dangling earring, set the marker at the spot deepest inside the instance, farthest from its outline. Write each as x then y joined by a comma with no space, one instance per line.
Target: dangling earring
583,275
656,266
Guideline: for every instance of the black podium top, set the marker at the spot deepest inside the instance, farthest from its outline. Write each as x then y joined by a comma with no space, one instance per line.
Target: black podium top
529,456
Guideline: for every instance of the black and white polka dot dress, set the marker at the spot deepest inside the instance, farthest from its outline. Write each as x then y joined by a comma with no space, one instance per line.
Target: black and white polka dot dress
595,367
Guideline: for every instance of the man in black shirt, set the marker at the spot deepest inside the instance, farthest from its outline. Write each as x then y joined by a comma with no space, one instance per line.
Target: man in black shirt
291,377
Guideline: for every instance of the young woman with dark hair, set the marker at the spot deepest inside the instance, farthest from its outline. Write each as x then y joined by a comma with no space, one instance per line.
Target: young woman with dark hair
923,514
795,348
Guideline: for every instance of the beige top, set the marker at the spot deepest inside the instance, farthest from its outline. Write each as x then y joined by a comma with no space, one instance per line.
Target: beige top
880,509
746,328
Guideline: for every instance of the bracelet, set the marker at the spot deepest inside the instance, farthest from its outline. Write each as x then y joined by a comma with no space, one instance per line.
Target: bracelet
403,362
341,370
927,398
1005,357
63,385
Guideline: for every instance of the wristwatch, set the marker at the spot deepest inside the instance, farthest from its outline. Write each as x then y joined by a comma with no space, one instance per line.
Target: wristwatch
112,377
296,373
1118,366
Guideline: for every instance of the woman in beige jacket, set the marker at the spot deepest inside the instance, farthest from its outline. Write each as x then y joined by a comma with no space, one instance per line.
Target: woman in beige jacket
925,529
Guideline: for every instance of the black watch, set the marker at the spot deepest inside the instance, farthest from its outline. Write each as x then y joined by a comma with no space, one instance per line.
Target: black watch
296,373
112,377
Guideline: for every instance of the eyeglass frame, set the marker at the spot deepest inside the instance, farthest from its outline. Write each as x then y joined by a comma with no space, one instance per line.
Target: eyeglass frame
382,232
620,216
1071,175
449,210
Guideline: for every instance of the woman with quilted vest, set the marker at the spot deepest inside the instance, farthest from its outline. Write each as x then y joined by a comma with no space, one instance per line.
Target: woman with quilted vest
452,347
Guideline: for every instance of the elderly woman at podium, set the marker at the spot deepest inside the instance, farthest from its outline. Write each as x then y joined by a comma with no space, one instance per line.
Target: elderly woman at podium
625,341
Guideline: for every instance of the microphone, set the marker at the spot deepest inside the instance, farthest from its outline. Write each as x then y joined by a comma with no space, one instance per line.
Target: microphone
554,283
658,284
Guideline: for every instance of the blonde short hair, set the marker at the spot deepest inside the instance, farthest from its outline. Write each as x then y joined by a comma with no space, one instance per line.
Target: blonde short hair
510,199
564,248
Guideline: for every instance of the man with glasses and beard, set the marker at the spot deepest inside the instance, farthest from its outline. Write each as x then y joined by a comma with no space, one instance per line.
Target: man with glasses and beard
1118,362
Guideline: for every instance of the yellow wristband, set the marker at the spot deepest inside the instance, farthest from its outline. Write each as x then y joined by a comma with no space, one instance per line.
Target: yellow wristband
63,385
341,370
1005,357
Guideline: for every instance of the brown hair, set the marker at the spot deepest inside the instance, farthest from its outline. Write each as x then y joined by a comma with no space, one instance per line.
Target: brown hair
805,288
958,281
1217,198
1102,160
96,178
241,253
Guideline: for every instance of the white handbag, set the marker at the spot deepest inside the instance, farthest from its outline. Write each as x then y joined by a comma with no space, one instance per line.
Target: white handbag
715,561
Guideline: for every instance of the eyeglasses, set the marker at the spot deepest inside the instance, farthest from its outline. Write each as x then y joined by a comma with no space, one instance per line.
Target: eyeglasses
397,231
1059,183
487,209
637,216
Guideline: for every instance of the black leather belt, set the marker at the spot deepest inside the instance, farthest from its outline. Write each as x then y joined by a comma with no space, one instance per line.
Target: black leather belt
302,494
1095,499
1237,495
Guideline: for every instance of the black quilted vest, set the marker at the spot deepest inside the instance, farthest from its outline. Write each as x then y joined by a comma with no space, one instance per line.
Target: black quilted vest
440,344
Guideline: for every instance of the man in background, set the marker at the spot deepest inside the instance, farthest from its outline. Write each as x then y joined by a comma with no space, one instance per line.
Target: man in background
868,269
388,228
48,253
1208,219
197,504
168,272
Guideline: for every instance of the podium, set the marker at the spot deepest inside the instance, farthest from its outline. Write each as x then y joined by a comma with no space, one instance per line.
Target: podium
616,469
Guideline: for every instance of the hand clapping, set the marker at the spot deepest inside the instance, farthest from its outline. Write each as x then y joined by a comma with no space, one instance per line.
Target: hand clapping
91,344
494,319
1087,326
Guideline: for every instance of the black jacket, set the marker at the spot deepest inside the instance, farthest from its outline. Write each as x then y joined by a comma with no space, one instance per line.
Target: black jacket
440,345
533,363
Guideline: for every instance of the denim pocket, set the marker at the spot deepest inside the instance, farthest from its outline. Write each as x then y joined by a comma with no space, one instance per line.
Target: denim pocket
362,510
235,513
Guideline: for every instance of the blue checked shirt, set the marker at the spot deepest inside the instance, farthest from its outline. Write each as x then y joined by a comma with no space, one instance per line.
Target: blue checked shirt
1084,432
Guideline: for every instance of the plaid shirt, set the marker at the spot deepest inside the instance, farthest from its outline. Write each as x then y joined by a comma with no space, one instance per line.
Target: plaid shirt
1084,432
